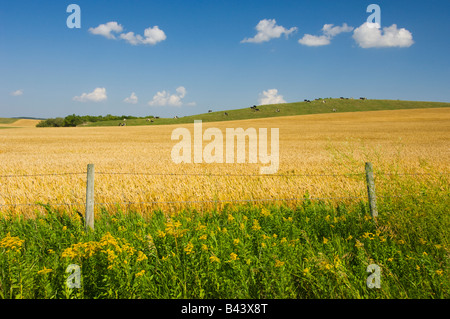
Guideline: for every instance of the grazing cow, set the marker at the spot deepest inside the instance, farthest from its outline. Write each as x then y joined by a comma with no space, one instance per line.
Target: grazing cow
148,120
362,98
151,121
256,110
175,117
308,101
341,97
323,101
278,110
209,111
334,110
156,117
225,113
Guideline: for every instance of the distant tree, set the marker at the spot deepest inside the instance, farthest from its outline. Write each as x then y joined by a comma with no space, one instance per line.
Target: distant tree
72,120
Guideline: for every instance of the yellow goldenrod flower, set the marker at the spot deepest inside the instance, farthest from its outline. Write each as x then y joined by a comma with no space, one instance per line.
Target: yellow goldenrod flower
230,218
256,225
233,256
203,237
439,272
263,245
279,263
306,271
204,247
141,273
141,256
349,237
44,271
12,243
236,241
417,267
161,234
214,259
64,228
189,248
325,240
265,212
283,240
390,259
51,251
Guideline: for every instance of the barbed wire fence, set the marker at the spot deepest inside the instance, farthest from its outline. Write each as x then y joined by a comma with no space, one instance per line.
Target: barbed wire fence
90,203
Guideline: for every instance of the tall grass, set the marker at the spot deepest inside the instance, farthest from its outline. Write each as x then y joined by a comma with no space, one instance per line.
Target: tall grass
317,250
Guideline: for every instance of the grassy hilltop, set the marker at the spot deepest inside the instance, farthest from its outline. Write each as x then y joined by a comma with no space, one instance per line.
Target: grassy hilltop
286,109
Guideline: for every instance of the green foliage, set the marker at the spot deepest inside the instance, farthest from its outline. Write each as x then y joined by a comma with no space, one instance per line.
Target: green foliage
75,120
318,250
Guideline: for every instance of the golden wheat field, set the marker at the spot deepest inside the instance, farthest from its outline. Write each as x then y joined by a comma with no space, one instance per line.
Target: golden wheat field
132,163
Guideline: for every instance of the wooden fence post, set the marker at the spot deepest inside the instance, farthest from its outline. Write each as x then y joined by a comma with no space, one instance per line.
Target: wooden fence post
371,190
89,217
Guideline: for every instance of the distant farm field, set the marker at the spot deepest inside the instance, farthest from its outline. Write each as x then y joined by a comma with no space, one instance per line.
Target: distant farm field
401,141
166,230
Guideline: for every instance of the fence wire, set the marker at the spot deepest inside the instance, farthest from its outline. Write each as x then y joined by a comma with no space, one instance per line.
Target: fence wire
212,175
224,175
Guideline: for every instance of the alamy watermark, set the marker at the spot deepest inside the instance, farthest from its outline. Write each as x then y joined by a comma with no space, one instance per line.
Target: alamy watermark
213,152
374,20
374,279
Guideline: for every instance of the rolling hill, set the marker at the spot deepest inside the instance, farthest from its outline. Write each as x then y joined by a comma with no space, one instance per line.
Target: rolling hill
286,109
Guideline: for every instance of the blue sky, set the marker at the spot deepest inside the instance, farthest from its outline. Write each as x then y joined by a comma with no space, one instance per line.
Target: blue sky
198,59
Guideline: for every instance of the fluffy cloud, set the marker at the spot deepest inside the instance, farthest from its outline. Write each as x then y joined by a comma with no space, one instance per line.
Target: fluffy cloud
107,29
151,36
314,41
267,30
165,98
329,32
369,36
132,99
17,93
270,97
98,95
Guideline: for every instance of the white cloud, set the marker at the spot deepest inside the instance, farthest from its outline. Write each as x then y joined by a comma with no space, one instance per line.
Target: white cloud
132,99
151,36
17,93
369,36
107,29
270,97
314,41
165,98
98,95
329,32
267,29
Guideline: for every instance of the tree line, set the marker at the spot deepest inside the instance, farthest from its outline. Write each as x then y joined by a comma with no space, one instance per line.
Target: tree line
75,120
